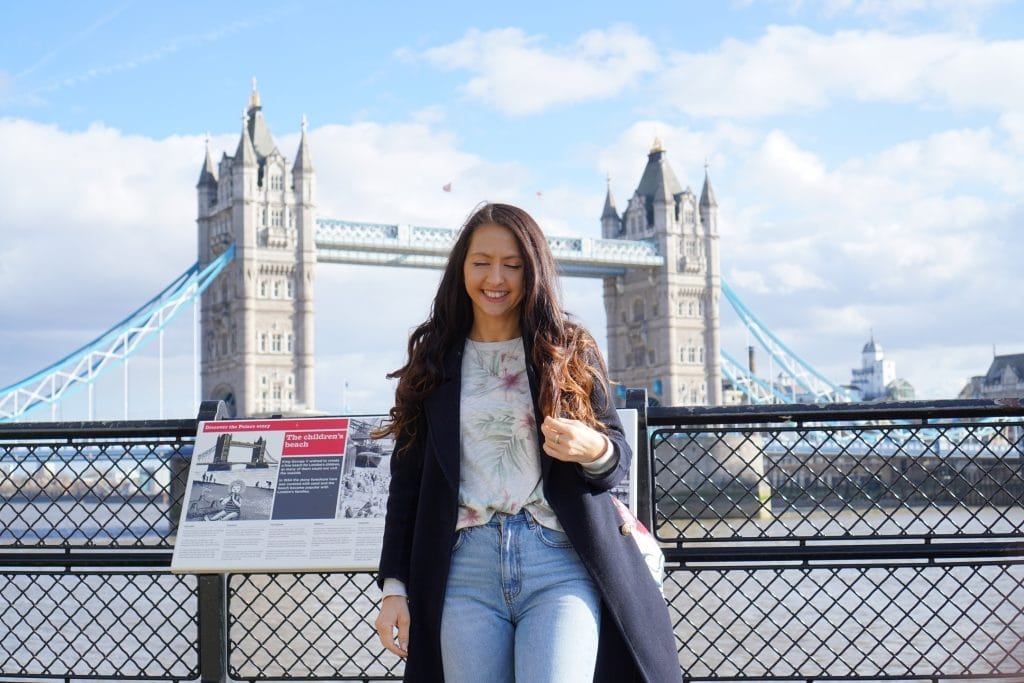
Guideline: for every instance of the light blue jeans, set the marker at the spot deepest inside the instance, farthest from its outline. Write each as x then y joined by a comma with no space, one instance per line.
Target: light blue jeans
519,606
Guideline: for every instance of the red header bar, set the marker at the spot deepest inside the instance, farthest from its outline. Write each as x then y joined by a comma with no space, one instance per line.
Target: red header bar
306,423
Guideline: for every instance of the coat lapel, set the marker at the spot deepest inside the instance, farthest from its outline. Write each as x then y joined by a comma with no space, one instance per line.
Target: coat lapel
442,411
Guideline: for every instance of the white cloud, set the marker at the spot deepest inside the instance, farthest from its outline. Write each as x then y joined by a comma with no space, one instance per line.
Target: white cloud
794,69
962,14
518,74
1013,124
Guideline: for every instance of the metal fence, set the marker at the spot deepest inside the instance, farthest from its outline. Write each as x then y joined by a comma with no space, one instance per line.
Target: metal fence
803,543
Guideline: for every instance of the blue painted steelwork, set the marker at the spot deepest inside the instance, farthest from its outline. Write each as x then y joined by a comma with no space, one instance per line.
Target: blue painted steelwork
818,387
86,364
752,386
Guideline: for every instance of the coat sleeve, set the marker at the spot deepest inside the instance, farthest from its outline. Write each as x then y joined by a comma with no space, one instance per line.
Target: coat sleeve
604,410
403,501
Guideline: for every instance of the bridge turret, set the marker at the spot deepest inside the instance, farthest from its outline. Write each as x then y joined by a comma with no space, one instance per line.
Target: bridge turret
708,206
304,212
257,319
713,288
206,188
245,163
611,224
662,328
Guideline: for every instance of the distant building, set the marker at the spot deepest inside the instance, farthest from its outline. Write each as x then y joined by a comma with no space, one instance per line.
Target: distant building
1004,379
875,379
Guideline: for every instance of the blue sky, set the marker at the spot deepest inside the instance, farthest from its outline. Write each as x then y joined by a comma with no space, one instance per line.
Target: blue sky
867,156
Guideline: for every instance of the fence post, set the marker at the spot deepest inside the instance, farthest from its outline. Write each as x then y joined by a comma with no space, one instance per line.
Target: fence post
213,619
637,400
213,608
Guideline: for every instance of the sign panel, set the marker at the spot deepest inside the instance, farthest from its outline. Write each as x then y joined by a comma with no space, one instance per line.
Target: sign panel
284,495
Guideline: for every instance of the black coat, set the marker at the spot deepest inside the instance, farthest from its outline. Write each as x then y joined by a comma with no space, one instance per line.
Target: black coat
636,640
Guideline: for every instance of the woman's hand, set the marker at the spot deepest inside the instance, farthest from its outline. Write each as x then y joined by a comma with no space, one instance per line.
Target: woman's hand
572,440
394,615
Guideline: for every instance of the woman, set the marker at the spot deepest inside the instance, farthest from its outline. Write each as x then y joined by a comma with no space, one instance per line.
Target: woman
503,558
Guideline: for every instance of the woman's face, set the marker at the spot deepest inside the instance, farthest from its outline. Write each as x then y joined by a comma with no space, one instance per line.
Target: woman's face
493,272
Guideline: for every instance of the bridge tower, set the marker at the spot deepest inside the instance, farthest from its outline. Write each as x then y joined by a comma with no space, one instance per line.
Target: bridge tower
663,325
257,317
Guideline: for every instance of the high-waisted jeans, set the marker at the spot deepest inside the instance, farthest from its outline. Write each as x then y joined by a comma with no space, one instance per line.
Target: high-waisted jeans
520,606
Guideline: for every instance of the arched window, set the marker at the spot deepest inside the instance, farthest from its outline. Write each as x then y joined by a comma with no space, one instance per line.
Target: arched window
262,342
277,289
263,289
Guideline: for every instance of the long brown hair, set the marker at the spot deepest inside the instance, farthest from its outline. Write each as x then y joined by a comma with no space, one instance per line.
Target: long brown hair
568,362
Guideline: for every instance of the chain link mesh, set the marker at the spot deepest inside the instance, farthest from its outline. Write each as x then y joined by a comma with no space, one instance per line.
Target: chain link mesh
313,626
112,626
842,621
116,492
757,483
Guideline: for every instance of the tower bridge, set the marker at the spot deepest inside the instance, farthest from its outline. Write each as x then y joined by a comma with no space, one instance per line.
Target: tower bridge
658,259
260,243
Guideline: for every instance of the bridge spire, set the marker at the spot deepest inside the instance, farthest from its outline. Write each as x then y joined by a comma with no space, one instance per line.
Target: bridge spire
303,159
207,175
707,195
254,97
245,154
611,225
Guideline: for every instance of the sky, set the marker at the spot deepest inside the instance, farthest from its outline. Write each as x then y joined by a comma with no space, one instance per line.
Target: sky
867,157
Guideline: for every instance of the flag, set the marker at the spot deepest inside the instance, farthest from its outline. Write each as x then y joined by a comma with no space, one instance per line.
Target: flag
447,187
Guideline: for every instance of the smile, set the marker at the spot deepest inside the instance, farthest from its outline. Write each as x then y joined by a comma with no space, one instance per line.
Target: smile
492,294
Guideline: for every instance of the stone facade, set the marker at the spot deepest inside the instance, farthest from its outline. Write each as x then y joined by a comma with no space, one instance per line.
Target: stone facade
257,317
1004,379
663,325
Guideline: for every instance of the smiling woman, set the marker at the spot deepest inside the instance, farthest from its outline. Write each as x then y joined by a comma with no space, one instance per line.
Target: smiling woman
507,444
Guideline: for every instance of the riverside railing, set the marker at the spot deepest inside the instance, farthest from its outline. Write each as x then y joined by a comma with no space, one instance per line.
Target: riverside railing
836,542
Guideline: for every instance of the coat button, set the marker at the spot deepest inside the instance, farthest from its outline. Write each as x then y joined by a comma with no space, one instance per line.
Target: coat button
626,529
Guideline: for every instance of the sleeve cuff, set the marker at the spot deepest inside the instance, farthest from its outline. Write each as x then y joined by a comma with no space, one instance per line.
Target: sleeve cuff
603,464
393,587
